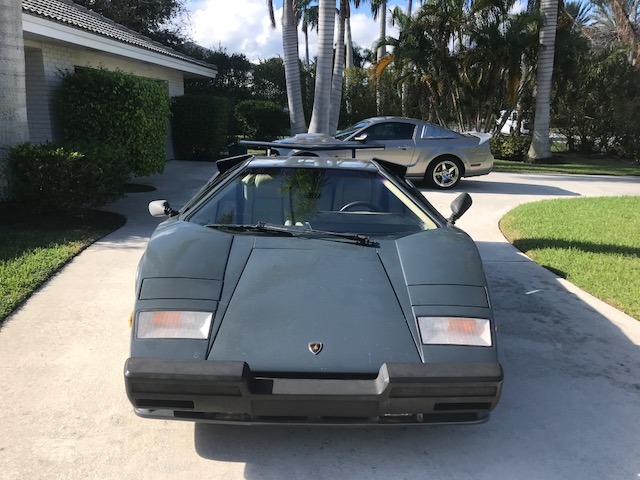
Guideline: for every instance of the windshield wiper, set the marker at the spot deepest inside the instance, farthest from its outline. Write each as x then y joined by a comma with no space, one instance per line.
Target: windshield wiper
258,227
359,238
293,231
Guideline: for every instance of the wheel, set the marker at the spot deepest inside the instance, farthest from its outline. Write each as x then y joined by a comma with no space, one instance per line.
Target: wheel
444,172
360,203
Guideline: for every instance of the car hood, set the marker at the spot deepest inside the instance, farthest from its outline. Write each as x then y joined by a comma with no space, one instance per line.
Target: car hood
328,292
280,295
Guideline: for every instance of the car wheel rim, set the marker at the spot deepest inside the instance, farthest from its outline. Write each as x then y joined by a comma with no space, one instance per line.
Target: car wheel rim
446,174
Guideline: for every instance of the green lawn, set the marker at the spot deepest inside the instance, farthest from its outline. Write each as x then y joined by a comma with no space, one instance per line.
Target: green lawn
573,164
592,242
33,249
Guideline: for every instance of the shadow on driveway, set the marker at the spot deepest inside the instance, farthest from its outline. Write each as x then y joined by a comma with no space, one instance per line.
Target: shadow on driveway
503,188
570,406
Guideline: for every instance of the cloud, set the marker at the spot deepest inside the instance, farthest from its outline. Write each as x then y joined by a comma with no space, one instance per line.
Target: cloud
242,26
239,26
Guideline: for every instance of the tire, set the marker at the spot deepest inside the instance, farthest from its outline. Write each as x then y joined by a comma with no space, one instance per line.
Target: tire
444,172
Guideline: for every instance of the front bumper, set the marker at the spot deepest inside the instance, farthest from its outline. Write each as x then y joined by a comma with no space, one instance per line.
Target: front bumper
228,392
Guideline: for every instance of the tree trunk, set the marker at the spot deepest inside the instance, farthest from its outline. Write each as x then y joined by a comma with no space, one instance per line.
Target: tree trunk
348,58
292,69
337,79
14,128
307,62
349,42
322,100
540,145
382,52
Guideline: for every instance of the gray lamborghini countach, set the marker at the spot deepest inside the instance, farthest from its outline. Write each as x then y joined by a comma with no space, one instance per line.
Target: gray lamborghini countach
313,291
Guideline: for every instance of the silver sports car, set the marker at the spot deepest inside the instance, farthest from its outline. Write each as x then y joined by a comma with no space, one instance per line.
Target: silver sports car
436,154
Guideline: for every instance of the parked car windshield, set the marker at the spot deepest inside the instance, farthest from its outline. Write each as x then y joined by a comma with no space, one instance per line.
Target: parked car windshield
337,200
347,132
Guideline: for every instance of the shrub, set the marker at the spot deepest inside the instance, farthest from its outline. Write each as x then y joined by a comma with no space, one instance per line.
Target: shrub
510,147
200,126
50,177
598,108
262,119
119,110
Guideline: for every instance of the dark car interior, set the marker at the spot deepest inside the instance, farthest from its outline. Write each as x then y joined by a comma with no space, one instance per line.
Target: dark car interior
331,199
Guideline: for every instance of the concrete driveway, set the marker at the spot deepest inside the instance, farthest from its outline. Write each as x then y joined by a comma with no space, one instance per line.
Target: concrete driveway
570,407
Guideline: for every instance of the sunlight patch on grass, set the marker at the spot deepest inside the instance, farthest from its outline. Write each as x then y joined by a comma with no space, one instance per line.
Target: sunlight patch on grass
592,242
32,251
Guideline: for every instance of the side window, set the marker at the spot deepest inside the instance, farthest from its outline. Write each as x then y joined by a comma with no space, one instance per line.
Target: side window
436,131
390,131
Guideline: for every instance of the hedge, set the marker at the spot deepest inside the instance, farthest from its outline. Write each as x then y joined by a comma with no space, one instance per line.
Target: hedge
510,147
118,110
51,177
262,119
200,126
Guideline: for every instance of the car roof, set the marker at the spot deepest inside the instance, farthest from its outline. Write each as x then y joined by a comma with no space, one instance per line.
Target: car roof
394,119
313,162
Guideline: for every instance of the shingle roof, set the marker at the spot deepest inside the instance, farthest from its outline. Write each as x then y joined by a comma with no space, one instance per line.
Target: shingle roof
77,16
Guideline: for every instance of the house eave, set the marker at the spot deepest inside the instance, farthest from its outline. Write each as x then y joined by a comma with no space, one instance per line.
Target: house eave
39,28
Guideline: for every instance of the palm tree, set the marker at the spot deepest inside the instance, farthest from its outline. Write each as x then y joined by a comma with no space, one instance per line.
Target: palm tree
467,56
540,145
14,128
379,9
322,98
337,79
347,36
291,64
309,16
621,17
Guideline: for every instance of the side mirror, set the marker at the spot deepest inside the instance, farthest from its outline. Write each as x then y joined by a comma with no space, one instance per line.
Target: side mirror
459,206
161,208
361,138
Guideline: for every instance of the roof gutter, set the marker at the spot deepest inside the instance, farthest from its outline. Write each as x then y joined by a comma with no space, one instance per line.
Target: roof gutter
40,28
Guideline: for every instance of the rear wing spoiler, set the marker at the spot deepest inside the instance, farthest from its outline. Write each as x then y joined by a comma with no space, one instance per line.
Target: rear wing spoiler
313,147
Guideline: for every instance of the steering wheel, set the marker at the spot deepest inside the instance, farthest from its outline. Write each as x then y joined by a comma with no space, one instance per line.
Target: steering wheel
360,203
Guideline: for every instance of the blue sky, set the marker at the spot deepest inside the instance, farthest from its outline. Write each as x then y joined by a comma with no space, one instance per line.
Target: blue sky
242,26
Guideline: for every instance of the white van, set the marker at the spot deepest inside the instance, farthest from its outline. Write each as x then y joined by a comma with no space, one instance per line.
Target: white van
512,123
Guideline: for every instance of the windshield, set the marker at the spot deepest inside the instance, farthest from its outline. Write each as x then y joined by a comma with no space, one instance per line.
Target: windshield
347,132
333,200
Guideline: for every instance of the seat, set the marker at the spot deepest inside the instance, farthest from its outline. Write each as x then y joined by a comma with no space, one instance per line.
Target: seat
264,201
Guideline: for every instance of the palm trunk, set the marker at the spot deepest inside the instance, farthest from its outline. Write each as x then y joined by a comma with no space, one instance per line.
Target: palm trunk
382,51
349,42
348,57
337,79
292,69
322,100
14,128
540,145
307,63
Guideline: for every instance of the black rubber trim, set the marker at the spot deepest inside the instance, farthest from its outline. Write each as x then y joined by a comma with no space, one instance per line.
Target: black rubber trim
208,389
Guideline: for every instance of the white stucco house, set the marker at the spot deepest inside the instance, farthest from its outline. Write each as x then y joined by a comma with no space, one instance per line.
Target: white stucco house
60,35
